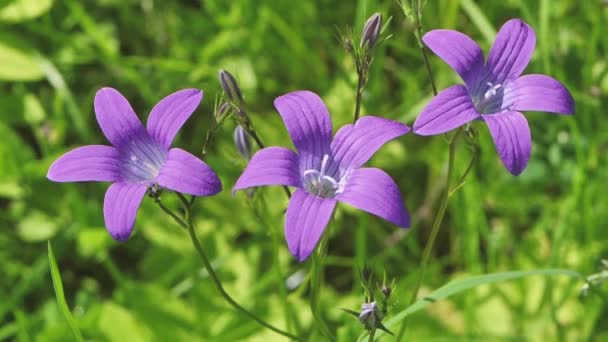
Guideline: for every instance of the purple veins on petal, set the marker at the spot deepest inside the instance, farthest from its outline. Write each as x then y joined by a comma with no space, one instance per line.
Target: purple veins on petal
115,116
539,93
120,207
183,172
450,109
458,51
270,166
139,159
305,221
307,121
95,163
170,114
495,91
512,139
511,51
325,171
374,191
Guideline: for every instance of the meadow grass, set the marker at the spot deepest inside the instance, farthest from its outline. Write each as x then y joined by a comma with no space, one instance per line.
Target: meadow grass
54,56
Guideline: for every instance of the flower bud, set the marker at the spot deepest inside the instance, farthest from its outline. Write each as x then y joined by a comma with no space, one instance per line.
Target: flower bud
371,31
386,291
242,142
230,87
221,111
370,316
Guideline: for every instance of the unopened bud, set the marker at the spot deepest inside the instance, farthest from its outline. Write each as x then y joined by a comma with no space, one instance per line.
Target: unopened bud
242,142
386,291
230,87
370,316
221,111
371,31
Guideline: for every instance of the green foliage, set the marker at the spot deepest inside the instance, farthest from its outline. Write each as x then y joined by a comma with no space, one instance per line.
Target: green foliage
54,56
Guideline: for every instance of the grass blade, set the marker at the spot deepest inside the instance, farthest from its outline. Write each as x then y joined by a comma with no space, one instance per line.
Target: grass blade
461,285
58,286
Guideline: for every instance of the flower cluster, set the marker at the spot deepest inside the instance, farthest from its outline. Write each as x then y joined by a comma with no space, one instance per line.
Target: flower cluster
324,170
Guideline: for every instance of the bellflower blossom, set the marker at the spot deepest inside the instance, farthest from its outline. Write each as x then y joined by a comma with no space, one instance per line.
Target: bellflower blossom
326,171
140,158
494,91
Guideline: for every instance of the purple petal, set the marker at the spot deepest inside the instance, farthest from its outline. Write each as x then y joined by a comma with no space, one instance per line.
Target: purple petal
185,173
511,51
270,166
450,109
88,163
512,139
539,93
353,145
169,115
307,121
116,118
458,51
374,191
306,218
120,208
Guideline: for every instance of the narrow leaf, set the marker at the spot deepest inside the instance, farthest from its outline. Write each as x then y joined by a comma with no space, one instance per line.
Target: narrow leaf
63,305
461,285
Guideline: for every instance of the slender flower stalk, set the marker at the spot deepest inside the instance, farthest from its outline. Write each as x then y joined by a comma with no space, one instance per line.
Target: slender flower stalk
428,248
363,55
187,224
416,12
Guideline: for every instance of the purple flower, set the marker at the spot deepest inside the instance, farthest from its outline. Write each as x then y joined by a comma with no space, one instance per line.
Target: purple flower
493,90
326,171
139,159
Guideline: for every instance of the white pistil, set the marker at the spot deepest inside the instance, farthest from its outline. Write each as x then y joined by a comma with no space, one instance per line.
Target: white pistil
492,91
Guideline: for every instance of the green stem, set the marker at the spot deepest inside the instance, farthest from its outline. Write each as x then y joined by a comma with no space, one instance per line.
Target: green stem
188,225
359,96
426,254
372,334
315,283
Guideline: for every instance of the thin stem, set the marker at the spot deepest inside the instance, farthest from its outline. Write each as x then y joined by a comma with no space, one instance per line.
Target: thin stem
360,84
315,283
170,213
372,334
462,178
417,9
216,281
426,254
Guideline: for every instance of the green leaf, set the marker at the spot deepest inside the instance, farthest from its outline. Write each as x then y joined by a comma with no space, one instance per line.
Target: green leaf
21,10
461,285
17,64
63,305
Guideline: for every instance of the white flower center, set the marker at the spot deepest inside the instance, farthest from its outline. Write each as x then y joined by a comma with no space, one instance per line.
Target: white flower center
318,183
491,100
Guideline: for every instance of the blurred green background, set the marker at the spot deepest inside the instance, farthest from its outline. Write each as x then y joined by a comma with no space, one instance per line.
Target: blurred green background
54,56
